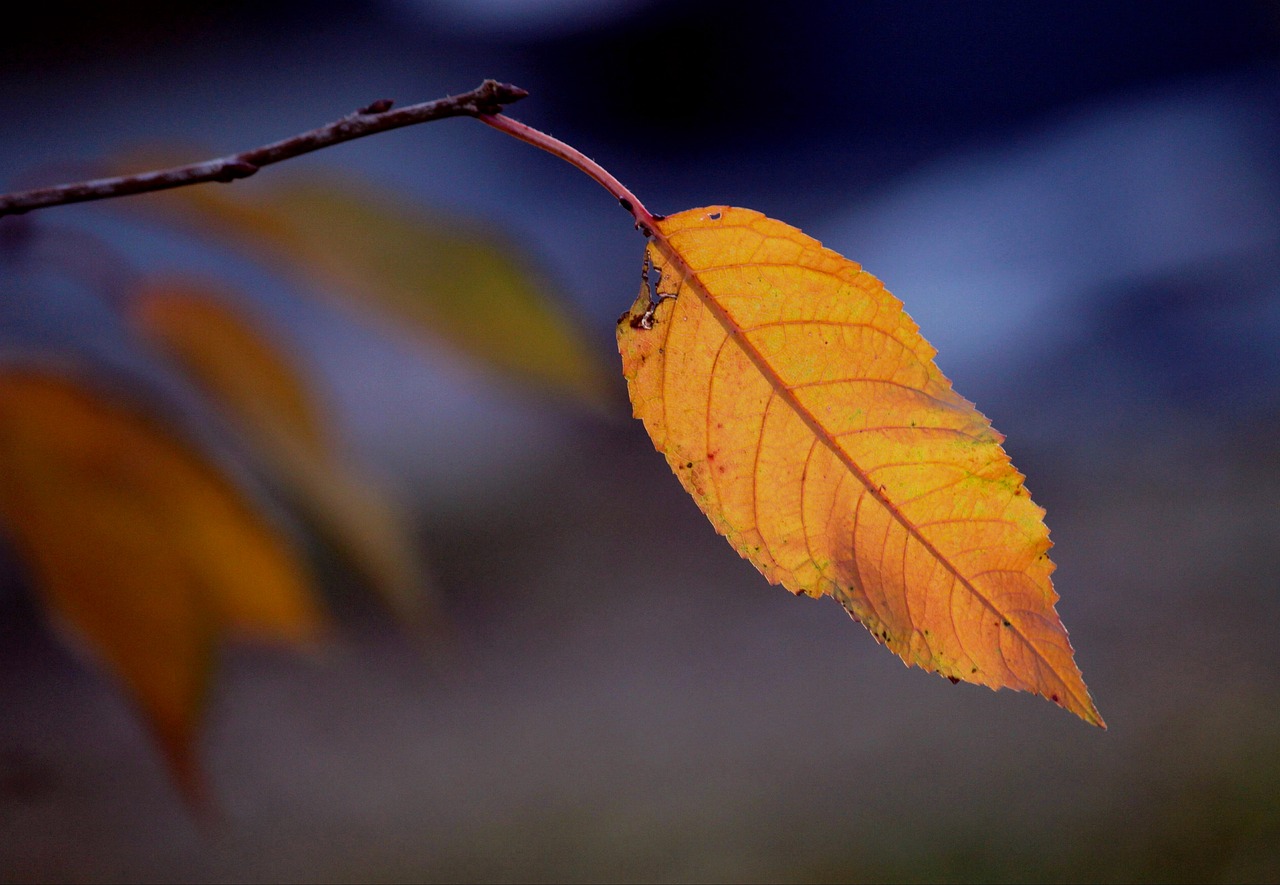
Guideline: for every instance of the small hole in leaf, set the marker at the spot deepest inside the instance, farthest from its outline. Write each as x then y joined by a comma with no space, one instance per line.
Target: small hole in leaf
714,216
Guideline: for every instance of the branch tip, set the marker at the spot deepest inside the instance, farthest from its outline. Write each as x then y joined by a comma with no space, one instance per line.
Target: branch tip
492,95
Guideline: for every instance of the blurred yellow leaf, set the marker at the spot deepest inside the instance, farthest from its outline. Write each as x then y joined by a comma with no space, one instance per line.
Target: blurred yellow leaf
445,279
230,359
251,378
801,408
141,547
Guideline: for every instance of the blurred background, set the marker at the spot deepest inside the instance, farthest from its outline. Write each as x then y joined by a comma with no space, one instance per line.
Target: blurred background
1078,203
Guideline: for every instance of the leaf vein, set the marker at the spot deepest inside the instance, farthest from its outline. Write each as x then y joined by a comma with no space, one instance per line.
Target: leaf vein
732,329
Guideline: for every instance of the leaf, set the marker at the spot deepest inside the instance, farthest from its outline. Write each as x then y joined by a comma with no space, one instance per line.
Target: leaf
141,547
801,408
441,278
234,362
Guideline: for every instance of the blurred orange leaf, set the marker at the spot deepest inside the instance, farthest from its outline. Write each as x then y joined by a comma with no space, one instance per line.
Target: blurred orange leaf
141,547
802,410
237,365
443,279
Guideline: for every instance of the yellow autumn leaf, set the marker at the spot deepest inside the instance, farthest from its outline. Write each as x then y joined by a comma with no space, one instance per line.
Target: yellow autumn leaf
443,279
240,369
141,547
801,408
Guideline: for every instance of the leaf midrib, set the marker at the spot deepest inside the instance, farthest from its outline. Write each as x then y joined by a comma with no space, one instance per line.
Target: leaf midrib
733,330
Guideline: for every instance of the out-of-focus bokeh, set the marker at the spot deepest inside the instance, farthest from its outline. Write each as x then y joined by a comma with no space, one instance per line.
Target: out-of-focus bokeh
1080,205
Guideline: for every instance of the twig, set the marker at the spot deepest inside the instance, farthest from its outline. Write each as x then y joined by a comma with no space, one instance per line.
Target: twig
487,98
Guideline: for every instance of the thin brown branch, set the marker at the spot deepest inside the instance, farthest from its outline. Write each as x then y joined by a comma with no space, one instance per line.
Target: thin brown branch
487,98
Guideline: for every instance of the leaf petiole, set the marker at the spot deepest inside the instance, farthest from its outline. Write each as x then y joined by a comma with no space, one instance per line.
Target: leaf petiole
645,220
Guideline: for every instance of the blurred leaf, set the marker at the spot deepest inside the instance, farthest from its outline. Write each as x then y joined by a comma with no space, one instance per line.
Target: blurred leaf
141,547
445,279
230,359
251,378
801,408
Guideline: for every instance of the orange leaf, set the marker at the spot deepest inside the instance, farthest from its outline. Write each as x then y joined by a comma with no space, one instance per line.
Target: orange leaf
141,547
242,371
801,408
